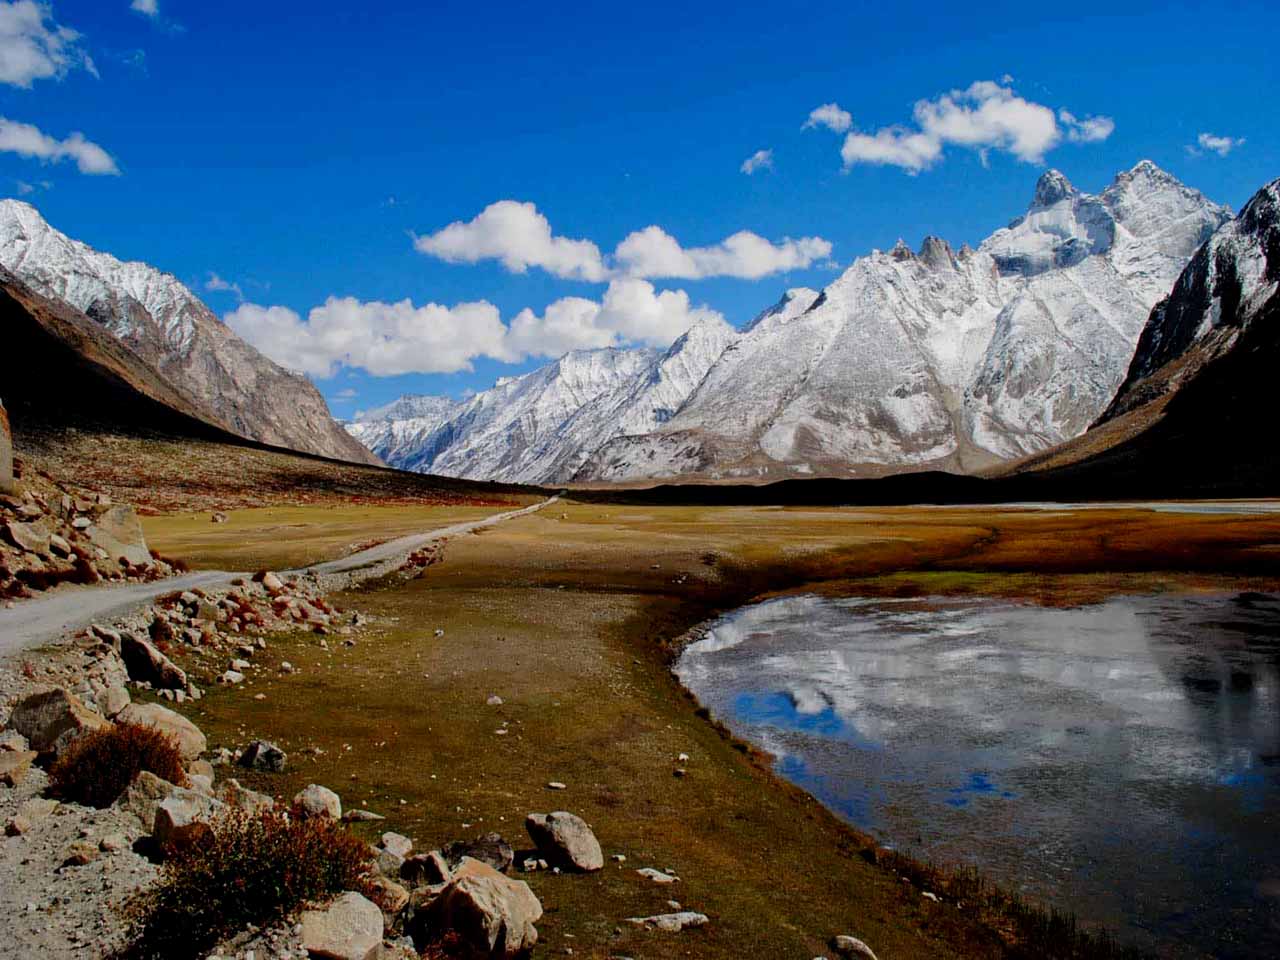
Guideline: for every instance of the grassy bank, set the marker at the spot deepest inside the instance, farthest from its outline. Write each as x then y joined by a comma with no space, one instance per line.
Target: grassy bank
570,617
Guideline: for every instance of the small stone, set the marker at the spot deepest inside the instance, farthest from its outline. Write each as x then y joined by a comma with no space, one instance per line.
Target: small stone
657,876
14,766
619,858
113,843
231,677
79,854
671,922
494,701
30,815
848,946
556,785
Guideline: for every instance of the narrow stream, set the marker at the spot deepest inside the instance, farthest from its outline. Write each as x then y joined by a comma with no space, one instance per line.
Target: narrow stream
1120,760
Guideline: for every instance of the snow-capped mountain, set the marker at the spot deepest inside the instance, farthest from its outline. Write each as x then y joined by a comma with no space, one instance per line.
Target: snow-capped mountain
540,427
1192,418
936,358
1230,287
163,322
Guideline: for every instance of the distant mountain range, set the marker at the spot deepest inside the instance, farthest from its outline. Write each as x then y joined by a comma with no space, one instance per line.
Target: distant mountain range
225,380
911,360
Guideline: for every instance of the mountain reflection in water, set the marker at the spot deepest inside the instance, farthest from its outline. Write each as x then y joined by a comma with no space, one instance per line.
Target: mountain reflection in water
1120,760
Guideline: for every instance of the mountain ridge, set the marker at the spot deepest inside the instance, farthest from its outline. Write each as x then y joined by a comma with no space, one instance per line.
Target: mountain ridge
933,358
162,321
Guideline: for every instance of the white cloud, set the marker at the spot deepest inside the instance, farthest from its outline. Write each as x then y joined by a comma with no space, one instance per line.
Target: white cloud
348,394
632,311
388,339
1088,130
652,252
150,8
520,237
570,323
1219,145
985,116
829,115
218,284
34,47
760,160
27,140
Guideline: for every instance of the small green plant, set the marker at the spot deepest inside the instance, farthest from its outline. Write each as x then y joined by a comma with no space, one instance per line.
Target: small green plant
98,767
256,869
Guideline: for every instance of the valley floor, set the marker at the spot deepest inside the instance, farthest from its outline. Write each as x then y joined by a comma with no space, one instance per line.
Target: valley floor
572,616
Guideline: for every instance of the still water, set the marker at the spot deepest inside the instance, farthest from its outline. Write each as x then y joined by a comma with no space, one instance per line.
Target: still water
1120,760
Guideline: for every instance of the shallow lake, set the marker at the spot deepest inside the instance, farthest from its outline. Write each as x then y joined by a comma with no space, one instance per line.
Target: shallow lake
1120,760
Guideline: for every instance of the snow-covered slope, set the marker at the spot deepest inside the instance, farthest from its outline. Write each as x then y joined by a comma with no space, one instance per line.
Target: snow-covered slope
168,327
938,358
1230,286
540,427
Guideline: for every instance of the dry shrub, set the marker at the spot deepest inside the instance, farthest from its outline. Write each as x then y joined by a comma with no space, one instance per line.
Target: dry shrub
98,767
256,869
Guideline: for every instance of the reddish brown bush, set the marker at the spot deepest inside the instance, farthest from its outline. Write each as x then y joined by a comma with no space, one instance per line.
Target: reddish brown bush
256,870
98,767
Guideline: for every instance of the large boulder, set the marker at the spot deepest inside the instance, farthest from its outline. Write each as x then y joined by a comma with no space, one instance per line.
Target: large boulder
565,840
7,484
263,755
35,537
350,928
183,820
492,915
144,796
317,801
51,719
488,848
191,742
118,532
144,662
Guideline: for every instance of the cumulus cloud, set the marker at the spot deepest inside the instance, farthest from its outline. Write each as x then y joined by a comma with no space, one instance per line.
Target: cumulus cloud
1209,142
518,236
34,47
760,160
652,252
1088,130
219,285
388,339
985,116
149,8
29,141
829,115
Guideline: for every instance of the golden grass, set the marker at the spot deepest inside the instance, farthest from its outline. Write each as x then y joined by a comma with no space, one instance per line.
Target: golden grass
571,621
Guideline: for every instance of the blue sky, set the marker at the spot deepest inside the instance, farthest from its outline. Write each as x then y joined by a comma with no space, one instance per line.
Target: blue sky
296,150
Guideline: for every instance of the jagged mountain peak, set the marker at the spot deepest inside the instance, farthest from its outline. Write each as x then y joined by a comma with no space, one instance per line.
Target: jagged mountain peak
1052,187
937,253
794,302
901,251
